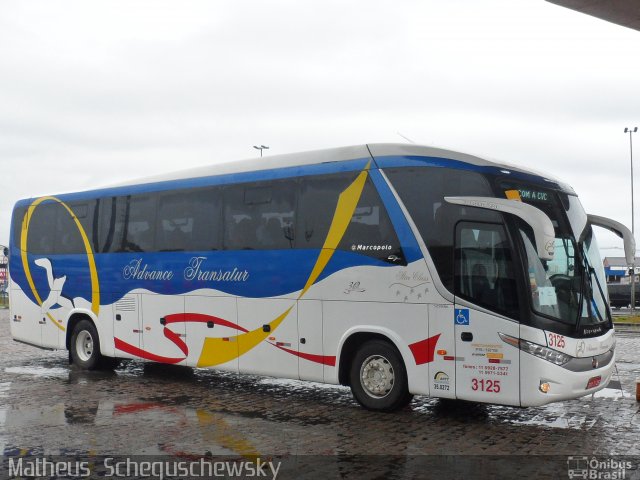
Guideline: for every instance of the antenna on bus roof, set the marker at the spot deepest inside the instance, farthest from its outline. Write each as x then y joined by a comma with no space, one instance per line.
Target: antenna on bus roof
406,138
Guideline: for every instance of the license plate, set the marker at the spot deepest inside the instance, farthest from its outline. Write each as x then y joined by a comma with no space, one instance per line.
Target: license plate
594,382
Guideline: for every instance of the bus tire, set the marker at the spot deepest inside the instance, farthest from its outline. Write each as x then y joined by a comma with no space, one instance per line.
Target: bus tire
378,377
85,346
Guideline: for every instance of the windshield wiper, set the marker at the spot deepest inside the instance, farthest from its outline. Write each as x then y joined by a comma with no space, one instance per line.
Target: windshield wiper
591,272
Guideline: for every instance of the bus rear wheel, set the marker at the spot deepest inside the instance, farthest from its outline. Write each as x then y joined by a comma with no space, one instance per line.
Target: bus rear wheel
85,346
378,377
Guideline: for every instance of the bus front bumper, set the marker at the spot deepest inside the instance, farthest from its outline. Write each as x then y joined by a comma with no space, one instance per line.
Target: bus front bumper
543,382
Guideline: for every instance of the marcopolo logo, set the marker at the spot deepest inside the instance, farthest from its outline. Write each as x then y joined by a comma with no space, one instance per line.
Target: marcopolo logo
597,468
370,248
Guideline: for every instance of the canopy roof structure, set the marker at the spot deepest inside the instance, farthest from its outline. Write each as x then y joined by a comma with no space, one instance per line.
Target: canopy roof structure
622,12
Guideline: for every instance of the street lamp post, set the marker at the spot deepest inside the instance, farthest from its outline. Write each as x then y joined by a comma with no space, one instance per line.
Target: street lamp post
633,230
261,148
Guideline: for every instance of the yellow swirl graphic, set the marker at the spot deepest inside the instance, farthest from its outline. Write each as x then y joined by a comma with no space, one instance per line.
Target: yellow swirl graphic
216,351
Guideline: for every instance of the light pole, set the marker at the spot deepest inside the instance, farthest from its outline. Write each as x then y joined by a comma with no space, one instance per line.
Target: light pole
633,230
261,148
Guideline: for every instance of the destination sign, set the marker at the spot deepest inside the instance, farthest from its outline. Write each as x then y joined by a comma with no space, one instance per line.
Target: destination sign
530,195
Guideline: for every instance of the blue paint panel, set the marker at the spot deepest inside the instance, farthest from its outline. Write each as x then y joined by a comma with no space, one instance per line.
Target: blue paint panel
269,273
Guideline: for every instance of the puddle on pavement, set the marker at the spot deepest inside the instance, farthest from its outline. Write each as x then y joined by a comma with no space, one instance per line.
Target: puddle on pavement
300,384
37,371
557,415
4,389
220,432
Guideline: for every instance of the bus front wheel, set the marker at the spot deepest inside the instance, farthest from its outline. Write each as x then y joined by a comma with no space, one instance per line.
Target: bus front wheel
378,377
85,346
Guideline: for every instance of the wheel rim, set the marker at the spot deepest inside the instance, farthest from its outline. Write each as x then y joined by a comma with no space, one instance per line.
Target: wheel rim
377,376
84,345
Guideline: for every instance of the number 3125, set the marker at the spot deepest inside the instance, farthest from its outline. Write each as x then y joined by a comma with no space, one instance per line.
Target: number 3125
490,386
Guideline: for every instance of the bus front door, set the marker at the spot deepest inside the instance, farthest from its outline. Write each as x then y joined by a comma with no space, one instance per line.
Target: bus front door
487,368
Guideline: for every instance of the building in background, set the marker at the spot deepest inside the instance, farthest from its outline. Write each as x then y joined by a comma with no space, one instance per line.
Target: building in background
616,270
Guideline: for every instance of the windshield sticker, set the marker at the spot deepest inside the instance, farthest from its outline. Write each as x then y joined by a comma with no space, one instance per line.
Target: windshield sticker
547,296
513,195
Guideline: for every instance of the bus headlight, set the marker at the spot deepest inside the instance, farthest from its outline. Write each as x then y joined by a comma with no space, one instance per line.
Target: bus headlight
547,354
553,356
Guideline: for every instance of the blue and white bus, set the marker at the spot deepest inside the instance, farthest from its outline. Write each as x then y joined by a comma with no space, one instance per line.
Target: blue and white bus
399,270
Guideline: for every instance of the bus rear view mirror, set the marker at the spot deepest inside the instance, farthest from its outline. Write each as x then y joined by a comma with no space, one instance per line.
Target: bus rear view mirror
543,230
620,230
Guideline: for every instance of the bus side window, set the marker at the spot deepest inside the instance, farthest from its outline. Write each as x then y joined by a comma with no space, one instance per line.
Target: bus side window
68,238
140,231
260,215
318,200
110,224
189,220
370,231
16,226
42,230
484,272
127,224
422,190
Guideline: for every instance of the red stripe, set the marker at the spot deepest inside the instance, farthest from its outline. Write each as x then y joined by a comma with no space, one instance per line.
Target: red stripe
175,338
201,318
423,351
323,359
138,352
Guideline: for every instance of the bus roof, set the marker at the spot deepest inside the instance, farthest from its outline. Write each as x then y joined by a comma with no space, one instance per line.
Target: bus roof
383,155
315,157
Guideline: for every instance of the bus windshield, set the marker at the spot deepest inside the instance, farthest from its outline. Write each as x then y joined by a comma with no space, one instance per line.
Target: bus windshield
570,288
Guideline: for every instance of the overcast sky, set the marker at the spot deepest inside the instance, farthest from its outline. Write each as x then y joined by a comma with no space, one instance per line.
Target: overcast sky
93,92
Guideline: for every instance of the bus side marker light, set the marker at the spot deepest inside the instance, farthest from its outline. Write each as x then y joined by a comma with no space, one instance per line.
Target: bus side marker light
442,352
544,387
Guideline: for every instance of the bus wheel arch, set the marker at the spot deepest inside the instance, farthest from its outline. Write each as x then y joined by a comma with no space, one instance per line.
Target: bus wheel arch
374,355
83,343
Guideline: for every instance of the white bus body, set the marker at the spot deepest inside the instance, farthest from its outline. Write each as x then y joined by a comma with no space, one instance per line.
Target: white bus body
399,270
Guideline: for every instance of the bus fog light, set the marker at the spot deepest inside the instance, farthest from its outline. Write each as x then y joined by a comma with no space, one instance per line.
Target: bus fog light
544,387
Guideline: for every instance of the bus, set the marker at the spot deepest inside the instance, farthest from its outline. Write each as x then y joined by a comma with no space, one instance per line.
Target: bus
397,270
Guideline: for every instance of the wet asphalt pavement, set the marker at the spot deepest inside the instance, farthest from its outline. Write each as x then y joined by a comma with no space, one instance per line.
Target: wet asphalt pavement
50,408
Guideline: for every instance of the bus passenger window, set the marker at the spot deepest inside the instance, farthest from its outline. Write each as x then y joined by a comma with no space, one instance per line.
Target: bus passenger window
370,231
138,224
260,216
484,273
318,199
42,229
189,220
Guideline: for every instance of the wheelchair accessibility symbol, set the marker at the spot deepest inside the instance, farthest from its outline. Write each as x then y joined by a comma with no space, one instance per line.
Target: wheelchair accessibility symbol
461,316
